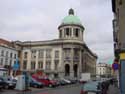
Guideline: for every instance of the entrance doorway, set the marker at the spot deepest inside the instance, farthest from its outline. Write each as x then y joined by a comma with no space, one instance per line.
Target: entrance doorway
67,70
75,67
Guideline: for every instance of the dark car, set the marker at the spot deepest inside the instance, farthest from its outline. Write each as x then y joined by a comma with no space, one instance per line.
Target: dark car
35,83
7,83
73,81
2,83
62,82
14,81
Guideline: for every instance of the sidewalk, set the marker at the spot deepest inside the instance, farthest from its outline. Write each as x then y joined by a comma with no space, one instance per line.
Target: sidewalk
113,90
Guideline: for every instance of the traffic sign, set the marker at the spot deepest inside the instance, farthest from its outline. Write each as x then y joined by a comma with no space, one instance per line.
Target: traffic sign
115,66
16,65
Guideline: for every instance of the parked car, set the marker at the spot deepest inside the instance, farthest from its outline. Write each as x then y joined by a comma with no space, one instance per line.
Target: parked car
35,83
73,81
8,83
62,83
14,81
54,82
2,83
91,87
66,80
45,81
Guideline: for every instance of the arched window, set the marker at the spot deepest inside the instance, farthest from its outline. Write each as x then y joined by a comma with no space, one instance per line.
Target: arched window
67,70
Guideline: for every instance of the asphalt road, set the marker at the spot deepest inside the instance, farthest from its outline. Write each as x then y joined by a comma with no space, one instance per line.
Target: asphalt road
71,89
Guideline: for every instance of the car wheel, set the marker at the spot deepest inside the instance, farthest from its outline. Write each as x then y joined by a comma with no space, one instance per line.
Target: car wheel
50,85
6,87
35,86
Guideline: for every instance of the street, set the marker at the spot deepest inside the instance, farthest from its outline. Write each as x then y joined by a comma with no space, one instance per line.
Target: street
71,89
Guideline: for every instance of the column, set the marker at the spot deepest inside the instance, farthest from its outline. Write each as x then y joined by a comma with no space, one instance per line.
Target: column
29,60
44,60
61,63
62,33
52,59
80,65
81,34
36,61
71,65
72,33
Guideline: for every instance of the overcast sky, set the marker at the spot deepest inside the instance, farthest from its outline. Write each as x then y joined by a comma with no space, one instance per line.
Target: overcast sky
39,19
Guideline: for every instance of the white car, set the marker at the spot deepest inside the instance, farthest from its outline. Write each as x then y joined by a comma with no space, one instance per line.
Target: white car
92,87
69,82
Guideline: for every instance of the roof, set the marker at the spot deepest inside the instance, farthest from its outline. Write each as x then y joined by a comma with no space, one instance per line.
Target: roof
4,42
71,19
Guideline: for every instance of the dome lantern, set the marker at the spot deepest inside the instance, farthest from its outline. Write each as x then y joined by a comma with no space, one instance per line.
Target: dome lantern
71,11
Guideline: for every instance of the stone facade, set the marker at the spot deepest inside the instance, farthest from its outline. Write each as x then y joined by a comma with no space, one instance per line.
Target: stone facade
118,7
8,55
104,70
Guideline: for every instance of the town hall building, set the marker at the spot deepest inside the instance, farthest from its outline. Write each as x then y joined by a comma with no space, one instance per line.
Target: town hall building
67,56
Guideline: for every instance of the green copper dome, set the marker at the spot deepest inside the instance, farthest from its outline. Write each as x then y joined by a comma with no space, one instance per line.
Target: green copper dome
71,19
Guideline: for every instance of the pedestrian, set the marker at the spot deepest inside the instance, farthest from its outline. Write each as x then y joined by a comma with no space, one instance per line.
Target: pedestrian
104,88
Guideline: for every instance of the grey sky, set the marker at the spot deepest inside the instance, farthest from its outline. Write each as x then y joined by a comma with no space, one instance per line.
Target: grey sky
39,20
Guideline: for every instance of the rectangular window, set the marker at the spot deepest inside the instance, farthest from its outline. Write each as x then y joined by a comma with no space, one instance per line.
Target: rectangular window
33,54
25,55
6,61
24,65
76,55
56,64
10,63
6,53
15,56
11,55
48,53
77,32
2,53
41,53
56,54
67,53
1,61
33,65
14,62
40,64
76,52
67,31
48,65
